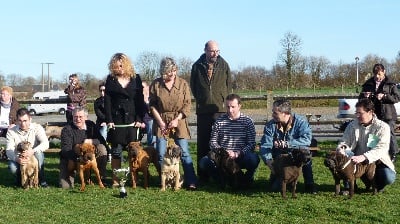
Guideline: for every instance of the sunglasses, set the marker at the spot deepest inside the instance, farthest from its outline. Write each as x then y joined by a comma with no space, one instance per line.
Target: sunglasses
102,90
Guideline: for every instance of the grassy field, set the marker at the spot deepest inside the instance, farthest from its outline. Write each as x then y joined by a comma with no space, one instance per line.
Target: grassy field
206,205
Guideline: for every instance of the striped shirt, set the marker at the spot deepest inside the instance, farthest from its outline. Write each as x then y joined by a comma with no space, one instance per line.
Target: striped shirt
239,134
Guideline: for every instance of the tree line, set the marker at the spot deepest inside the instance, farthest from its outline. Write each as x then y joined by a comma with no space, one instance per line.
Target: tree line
291,71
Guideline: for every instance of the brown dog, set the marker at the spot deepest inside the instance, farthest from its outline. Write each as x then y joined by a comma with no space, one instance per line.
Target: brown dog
287,168
30,170
229,170
139,160
342,168
170,174
85,163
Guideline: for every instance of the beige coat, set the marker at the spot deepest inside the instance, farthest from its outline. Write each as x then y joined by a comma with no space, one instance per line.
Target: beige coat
169,103
356,137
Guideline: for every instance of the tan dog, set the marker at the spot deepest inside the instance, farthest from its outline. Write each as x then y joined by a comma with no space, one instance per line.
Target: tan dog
288,167
30,170
85,163
170,174
342,168
139,160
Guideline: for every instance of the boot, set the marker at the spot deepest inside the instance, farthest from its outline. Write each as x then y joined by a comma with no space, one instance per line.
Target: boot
115,164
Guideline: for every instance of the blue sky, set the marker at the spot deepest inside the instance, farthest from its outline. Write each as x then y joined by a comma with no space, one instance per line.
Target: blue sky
81,36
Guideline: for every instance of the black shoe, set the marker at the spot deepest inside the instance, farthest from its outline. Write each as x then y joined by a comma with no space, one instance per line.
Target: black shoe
310,189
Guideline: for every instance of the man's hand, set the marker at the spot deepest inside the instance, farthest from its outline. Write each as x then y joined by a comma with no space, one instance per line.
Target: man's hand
233,154
280,144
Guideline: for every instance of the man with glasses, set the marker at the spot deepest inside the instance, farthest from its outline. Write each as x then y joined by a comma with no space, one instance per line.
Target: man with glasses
80,131
210,82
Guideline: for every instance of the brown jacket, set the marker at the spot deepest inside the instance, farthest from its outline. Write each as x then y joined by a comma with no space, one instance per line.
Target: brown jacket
169,103
13,111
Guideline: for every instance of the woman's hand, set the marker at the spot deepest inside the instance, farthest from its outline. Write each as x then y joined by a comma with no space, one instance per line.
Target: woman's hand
173,123
111,125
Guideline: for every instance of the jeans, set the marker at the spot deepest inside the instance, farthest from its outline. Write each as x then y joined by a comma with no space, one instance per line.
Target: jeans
307,175
189,175
384,176
151,139
14,168
103,131
248,161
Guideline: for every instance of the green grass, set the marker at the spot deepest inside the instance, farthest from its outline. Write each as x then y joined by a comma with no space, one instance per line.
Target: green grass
206,205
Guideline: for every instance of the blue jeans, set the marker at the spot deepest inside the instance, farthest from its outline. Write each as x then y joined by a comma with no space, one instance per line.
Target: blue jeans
14,168
383,177
103,131
151,139
248,161
189,176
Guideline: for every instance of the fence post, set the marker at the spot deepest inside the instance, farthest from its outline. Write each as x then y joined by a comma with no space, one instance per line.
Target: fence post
270,100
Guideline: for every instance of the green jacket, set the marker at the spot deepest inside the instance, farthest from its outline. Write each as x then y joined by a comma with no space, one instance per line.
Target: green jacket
210,94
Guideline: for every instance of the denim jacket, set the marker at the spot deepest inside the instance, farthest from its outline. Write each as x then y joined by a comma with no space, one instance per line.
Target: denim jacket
298,135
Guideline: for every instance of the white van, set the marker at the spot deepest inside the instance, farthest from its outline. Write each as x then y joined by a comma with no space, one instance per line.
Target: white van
52,102
49,95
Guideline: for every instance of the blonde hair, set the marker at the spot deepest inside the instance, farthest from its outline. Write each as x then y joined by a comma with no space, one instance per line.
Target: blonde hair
127,65
8,89
167,65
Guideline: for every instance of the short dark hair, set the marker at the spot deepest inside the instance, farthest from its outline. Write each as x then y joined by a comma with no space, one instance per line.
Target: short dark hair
22,112
283,105
377,68
233,96
367,104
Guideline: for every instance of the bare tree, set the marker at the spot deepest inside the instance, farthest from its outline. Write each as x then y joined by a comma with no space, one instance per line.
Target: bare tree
290,55
147,65
317,67
185,67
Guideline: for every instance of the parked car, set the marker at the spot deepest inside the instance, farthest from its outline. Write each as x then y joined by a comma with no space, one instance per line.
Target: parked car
347,108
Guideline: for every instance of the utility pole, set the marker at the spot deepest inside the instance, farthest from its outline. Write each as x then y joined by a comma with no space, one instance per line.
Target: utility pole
357,58
42,79
48,75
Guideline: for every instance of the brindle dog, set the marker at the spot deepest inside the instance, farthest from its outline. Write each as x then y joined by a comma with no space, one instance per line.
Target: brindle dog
342,168
139,158
287,168
30,170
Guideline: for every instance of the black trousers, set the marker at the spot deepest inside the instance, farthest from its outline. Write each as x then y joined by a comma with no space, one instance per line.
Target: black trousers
204,126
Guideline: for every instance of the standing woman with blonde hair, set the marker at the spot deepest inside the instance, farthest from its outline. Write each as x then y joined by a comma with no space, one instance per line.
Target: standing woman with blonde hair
170,104
124,107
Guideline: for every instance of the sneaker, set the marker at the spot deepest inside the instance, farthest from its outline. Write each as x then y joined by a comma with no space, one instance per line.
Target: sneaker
44,185
344,192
